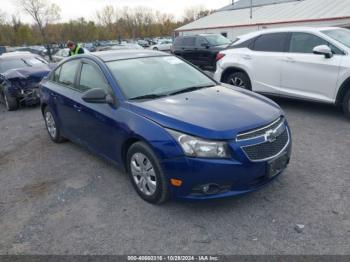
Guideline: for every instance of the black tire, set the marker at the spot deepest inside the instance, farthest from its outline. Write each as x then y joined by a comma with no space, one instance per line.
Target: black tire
239,79
55,137
11,102
346,104
161,193
155,48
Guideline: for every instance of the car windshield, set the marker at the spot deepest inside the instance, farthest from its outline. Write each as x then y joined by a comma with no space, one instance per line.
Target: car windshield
153,77
340,35
12,64
217,40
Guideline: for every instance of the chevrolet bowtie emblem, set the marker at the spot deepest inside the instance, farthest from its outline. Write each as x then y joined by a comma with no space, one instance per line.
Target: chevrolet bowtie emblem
271,136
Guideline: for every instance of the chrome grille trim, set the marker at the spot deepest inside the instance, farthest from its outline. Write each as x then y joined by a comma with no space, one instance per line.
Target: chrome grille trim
260,132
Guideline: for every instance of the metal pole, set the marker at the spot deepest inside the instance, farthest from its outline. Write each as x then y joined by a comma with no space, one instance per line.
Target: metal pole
251,9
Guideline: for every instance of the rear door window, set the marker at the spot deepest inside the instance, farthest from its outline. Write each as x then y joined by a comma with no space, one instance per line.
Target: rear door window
189,41
274,42
178,41
68,73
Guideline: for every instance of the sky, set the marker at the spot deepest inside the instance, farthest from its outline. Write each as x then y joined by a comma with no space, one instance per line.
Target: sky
72,9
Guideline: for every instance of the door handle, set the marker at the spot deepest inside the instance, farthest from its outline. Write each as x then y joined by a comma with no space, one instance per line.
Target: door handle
77,107
53,95
289,60
247,57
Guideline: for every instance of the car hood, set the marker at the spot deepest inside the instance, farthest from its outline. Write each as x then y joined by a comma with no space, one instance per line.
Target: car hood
27,72
218,112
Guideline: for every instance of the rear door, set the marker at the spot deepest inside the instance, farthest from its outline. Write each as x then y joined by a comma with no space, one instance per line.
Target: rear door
307,75
189,52
178,47
265,60
203,52
64,94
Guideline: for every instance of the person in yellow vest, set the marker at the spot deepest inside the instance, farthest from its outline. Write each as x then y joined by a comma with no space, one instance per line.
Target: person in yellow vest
74,49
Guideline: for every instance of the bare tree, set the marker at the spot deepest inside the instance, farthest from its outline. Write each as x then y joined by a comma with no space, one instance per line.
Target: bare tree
195,12
42,13
2,17
108,17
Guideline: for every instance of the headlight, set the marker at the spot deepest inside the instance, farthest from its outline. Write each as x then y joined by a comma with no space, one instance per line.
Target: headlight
197,147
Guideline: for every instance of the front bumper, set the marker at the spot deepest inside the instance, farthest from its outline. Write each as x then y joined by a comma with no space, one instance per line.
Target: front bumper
235,176
27,96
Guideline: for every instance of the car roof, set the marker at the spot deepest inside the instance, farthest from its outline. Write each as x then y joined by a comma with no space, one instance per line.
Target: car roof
196,35
286,29
112,55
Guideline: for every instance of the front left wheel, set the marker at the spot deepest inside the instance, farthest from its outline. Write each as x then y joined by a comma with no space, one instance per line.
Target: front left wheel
346,104
146,174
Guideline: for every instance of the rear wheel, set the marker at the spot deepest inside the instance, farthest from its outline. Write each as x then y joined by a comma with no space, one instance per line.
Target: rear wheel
11,102
146,174
155,48
346,104
239,79
52,127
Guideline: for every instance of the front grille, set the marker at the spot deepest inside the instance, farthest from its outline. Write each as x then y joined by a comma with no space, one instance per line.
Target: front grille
267,149
261,131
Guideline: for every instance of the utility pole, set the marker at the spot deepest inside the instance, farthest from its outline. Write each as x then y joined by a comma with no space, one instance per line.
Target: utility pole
251,9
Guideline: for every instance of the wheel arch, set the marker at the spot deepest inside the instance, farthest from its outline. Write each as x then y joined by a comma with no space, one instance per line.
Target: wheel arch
125,148
233,69
342,91
42,107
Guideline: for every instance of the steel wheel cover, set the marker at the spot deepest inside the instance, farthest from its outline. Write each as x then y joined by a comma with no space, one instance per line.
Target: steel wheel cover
143,174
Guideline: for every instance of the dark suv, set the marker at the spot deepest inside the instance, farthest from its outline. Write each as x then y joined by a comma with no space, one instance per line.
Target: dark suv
200,50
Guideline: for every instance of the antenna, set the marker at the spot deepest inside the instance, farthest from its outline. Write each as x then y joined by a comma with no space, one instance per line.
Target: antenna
251,9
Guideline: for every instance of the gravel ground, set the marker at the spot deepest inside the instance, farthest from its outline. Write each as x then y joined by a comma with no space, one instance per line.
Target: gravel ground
60,199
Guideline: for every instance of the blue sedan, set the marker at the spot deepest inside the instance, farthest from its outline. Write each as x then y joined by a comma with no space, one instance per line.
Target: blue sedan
174,130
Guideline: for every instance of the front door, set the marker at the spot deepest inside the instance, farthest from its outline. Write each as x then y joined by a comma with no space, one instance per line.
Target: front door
98,123
307,75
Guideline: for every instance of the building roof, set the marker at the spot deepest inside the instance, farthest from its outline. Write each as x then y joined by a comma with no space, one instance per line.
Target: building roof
246,4
285,12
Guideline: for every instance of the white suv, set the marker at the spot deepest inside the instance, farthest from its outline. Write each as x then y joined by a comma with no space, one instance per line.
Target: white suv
304,63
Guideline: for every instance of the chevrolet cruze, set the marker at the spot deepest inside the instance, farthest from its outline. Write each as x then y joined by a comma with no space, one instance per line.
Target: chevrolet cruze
174,130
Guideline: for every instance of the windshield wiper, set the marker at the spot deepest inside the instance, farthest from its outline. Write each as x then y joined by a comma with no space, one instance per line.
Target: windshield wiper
189,89
149,96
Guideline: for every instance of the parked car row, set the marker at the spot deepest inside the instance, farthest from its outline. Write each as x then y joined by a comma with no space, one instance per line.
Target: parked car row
303,63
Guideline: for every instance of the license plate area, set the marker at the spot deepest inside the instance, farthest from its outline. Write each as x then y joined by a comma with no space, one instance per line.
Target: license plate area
277,165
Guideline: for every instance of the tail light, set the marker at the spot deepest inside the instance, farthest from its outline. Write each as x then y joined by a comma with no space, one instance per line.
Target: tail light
219,56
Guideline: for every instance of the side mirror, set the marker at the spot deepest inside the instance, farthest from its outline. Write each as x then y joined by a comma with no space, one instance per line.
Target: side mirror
323,50
98,96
